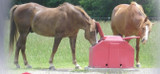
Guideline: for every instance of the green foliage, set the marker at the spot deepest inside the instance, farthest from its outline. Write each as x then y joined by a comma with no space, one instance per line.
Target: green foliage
104,7
97,8
54,3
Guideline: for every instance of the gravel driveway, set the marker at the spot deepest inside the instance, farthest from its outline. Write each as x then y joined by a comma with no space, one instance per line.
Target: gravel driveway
91,71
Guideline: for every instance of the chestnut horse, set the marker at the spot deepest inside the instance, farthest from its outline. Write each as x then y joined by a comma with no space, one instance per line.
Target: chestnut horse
130,20
62,21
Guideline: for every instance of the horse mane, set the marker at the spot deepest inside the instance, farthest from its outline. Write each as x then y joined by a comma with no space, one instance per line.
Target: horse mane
80,9
83,12
141,11
139,7
65,3
77,8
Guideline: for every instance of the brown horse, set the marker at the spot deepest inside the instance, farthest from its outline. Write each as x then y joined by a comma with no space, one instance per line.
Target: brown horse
130,20
62,21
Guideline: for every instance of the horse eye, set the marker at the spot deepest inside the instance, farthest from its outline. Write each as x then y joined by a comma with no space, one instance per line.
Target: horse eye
149,31
143,28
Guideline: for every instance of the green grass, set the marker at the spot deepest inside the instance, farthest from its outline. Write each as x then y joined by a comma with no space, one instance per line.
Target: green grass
39,48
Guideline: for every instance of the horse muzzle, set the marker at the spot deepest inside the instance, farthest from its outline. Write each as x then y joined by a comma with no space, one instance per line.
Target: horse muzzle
143,40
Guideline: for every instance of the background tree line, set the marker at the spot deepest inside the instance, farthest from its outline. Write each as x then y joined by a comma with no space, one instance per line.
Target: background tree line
99,8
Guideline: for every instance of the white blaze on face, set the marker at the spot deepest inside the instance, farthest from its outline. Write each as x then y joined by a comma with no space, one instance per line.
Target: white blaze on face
146,33
96,37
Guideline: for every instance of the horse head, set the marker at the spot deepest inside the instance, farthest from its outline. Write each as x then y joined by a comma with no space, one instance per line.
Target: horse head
145,30
91,32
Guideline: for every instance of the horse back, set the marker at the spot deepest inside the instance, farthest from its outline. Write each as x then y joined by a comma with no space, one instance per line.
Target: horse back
63,20
126,19
118,18
23,15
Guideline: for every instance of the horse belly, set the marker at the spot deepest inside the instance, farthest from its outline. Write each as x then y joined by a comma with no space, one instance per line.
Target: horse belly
118,24
43,30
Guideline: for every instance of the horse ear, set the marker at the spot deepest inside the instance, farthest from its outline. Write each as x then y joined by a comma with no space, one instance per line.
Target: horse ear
92,28
92,25
145,20
94,20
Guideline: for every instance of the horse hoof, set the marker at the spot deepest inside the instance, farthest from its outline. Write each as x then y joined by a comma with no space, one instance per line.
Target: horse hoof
52,68
78,67
28,66
138,65
17,66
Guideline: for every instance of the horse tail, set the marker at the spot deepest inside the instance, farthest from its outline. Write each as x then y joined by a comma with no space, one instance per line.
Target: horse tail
13,30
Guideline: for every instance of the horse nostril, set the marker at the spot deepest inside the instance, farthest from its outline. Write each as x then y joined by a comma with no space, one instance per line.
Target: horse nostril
143,40
94,44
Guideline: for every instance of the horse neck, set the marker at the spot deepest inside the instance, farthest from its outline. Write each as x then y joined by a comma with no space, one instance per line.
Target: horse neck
85,25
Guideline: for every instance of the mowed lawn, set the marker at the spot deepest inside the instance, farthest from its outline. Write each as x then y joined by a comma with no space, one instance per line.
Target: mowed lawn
39,48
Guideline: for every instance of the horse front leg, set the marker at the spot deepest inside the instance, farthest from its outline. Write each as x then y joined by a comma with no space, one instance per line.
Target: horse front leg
137,53
57,41
73,46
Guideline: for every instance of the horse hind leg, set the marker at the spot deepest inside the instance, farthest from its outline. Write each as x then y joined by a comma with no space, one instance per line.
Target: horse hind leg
73,46
21,45
18,46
